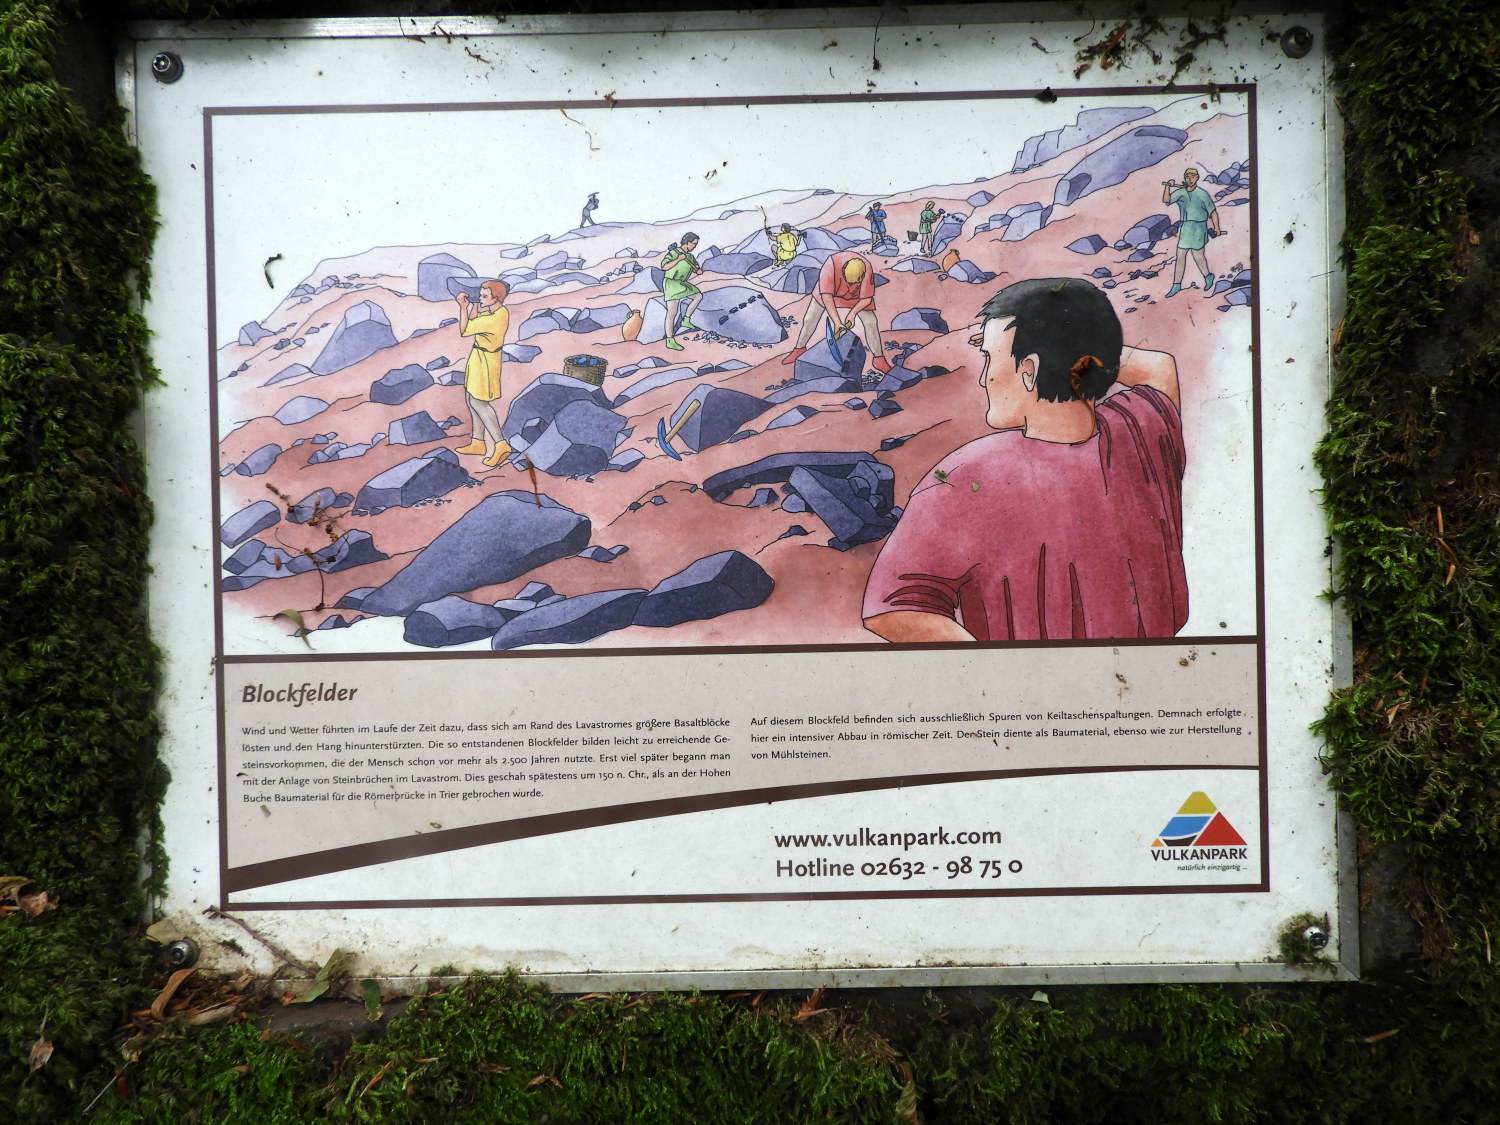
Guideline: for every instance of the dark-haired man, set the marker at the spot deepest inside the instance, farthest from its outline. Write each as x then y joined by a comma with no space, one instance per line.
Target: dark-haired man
1067,523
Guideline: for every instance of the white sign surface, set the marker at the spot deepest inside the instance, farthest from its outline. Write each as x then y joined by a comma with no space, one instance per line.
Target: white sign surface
700,505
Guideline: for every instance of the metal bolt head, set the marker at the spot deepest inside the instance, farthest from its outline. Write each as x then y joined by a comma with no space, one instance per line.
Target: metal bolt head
166,67
1296,42
182,954
1316,938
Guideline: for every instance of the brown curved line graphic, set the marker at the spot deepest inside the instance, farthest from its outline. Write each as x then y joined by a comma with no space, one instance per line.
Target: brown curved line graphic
477,835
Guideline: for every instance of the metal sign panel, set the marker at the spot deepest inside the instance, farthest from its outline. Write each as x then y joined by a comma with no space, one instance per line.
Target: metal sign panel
727,500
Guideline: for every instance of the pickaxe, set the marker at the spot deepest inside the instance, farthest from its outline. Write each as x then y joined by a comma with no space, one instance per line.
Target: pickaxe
664,436
833,341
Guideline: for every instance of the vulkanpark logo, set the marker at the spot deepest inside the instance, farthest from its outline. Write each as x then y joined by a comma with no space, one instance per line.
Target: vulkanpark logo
1198,831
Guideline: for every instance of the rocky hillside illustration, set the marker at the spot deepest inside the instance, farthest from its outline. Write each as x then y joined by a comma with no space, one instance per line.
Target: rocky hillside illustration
712,495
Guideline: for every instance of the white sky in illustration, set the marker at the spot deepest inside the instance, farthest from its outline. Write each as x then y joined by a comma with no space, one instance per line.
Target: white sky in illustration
315,186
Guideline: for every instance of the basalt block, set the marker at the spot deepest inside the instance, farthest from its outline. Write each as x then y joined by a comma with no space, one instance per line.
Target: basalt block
1113,163
411,482
349,550
452,621
778,468
1145,232
851,517
257,462
498,540
660,377
434,272
710,587
363,331
299,409
295,371
819,361
400,383
1088,244
578,442
314,503
1090,124
791,417
415,429
920,319
720,414
570,621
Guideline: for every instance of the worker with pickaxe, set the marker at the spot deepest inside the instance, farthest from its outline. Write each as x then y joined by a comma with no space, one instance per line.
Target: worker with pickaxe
845,296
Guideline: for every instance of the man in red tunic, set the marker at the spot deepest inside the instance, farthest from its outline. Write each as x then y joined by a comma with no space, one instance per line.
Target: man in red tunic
846,296
1067,523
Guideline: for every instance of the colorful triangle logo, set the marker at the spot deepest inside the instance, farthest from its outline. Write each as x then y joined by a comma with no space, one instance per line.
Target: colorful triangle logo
1198,824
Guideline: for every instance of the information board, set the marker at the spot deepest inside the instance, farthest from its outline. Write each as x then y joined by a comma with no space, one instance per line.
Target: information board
720,500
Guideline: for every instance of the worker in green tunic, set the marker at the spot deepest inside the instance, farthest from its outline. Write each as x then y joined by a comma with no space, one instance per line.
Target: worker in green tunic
677,265
1199,217
487,322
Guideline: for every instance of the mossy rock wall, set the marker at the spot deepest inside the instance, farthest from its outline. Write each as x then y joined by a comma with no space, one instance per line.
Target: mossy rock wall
1413,496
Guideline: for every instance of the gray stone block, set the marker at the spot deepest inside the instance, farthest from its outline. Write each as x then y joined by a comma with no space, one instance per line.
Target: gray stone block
570,621
416,429
363,331
710,587
919,319
259,461
501,538
451,620
721,412
248,521
434,272
412,481
400,383
313,504
299,409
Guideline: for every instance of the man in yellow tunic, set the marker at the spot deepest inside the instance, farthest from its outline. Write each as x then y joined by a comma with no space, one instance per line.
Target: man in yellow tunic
486,322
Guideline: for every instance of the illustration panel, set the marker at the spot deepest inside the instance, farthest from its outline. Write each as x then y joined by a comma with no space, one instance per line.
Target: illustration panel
1002,390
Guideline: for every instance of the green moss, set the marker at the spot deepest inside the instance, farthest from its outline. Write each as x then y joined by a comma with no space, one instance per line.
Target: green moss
1413,496
77,668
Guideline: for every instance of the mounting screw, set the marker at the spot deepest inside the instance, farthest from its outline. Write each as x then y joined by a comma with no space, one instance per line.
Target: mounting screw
1296,42
167,67
1316,938
182,953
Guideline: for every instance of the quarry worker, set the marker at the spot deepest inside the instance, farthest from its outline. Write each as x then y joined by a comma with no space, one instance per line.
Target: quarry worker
1200,220
876,217
588,210
486,322
846,296
677,266
925,224
784,243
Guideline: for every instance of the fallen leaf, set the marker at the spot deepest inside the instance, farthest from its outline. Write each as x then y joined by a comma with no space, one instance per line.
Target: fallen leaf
379,1074
163,932
296,619
243,1068
493,1068
369,990
217,1014
810,1007
336,967
10,884
1379,1035
37,904
164,997
537,1081
906,1104
41,1052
